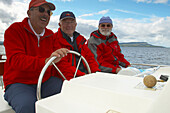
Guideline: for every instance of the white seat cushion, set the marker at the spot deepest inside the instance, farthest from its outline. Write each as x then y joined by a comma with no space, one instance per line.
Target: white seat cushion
4,107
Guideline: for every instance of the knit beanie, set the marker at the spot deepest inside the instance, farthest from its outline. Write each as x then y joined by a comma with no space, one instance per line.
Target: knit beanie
105,20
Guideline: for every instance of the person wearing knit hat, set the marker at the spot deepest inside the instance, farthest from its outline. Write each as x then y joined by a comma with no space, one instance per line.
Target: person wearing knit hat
29,45
105,47
105,20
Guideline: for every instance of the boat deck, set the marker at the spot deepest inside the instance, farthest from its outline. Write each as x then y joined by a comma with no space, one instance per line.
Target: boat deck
103,92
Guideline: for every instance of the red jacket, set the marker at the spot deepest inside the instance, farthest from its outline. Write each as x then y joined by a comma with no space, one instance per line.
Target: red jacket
25,59
107,52
67,65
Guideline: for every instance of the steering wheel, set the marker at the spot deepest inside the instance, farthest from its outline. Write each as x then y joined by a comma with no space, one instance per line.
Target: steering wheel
51,61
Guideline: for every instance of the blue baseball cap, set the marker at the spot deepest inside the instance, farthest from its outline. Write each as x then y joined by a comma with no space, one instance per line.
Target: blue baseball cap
105,20
67,14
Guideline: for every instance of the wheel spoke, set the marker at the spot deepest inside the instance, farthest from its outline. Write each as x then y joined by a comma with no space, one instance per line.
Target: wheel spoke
77,66
59,71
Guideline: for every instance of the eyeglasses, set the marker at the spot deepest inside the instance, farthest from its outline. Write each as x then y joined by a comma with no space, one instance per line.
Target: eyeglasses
42,10
103,25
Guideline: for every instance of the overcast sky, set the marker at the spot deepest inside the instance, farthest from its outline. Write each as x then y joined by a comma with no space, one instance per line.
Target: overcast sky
133,20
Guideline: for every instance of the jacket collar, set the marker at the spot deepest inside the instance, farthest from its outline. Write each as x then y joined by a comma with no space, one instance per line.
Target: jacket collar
75,35
27,27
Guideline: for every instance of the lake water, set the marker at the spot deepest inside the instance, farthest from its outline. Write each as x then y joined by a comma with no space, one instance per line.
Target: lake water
147,55
144,55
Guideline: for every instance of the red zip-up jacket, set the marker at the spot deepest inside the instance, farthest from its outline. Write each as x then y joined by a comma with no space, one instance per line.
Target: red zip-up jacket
25,59
67,65
107,52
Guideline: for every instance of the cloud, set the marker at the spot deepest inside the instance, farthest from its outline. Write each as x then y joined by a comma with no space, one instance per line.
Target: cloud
147,1
9,15
8,2
6,17
153,1
155,32
53,24
103,12
85,27
98,13
84,15
131,12
160,1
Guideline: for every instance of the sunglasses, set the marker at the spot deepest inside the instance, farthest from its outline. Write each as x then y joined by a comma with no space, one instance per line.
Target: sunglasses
42,10
103,25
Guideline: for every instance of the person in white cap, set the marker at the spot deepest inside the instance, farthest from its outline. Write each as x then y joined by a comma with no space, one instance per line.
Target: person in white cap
29,45
104,45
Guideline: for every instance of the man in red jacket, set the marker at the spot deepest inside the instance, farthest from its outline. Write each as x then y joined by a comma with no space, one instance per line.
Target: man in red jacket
105,47
72,40
29,45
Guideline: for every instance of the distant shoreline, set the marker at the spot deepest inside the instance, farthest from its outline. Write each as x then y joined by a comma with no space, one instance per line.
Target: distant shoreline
138,44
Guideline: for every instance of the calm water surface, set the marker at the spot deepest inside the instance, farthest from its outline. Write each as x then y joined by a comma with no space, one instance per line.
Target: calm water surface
147,55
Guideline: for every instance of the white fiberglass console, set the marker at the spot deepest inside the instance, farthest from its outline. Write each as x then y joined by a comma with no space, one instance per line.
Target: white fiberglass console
108,93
